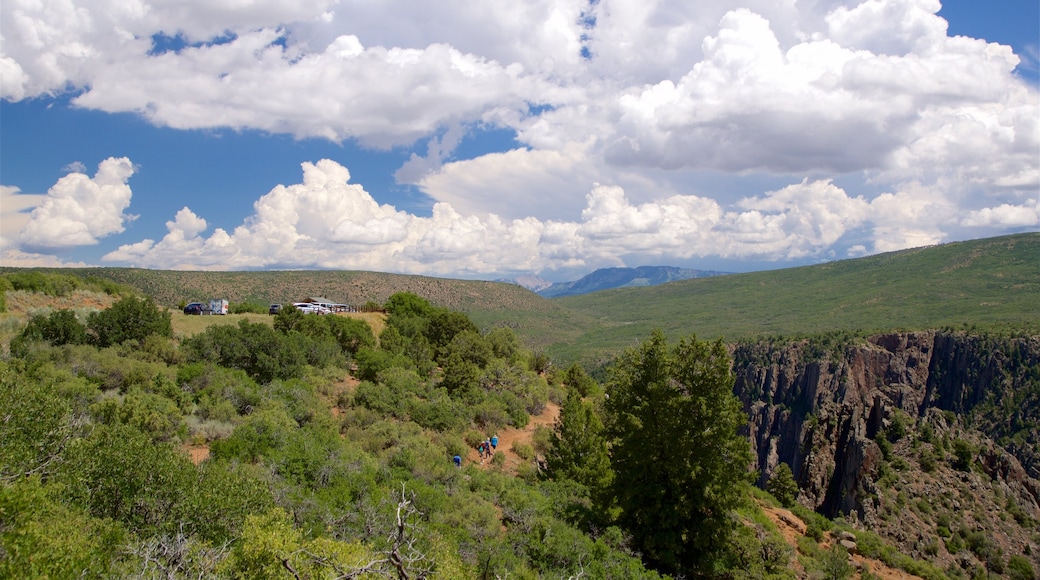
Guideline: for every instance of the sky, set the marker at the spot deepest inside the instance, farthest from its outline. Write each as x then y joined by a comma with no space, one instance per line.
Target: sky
488,139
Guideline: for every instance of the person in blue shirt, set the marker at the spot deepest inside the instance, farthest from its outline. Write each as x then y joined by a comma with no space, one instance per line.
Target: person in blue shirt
458,460
494,443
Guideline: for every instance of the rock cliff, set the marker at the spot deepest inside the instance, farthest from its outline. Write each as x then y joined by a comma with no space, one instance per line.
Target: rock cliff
870,426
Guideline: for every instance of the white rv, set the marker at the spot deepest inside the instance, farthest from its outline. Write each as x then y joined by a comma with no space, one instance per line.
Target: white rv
218,306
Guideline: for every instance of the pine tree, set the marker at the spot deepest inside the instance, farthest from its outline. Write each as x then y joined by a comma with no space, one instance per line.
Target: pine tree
680,466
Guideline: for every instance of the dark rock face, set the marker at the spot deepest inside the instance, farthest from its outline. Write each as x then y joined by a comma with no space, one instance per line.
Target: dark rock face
821,408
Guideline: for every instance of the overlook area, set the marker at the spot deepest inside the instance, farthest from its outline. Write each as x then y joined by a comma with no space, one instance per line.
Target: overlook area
884,411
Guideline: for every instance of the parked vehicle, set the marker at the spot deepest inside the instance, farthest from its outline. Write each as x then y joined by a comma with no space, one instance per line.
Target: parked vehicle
195,308
308,308
218,306
275,309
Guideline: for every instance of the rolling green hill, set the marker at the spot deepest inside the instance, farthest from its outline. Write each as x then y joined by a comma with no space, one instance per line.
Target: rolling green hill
991,283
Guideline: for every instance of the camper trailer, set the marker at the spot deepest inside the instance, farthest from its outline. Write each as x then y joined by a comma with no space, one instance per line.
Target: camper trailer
218,306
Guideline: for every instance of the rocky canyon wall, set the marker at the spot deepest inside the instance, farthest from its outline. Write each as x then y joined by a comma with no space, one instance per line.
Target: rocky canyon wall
823,407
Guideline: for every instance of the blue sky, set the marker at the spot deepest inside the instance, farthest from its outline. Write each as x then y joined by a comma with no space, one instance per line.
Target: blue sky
550,138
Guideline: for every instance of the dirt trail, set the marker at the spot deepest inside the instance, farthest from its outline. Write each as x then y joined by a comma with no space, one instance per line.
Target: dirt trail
198,453
509,436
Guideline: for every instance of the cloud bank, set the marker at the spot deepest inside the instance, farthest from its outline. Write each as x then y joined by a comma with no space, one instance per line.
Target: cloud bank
646,129
328,222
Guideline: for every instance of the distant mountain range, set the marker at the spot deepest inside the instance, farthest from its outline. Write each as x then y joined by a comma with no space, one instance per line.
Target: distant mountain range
607,278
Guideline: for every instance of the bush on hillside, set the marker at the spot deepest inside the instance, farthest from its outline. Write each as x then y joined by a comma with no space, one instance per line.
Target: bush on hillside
129,319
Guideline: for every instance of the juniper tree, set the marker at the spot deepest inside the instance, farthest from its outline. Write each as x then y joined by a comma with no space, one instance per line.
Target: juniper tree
783,486
579,449
680,466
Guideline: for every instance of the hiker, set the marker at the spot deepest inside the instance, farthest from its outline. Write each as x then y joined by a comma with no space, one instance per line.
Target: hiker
487,445
480,451
494,443
458,460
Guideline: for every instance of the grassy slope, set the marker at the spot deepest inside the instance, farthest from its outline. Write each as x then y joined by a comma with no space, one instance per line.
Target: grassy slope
992,283
538,320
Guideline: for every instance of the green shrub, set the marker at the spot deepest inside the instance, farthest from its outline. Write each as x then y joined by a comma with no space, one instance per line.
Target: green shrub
523,450
376,396
350,333
43,283
490,416
258,436
473,438
896,429
809,547
931,548
885,446
835,563
541,439
44,537
439,413
263,353
129,319
120,473
1019,568
5,285
154,415
36,421
249,306
963,455
927,461
205,430
815,523
453,445
58,328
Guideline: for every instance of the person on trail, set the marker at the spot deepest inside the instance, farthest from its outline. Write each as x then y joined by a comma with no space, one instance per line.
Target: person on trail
458,460
494,443
480,451
487,446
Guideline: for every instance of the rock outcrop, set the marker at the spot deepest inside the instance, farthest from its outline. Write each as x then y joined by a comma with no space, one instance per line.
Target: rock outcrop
832,407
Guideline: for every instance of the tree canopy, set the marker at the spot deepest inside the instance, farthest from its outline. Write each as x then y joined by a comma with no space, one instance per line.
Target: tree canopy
308,476
680,466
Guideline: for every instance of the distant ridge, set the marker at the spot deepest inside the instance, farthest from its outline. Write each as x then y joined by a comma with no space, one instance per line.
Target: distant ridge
609,278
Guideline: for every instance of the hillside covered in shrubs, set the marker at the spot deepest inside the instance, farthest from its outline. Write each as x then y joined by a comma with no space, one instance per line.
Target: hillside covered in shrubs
305,446
310,475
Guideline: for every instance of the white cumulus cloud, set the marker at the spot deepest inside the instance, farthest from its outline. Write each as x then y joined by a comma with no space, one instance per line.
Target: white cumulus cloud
716,128
78,210
328,222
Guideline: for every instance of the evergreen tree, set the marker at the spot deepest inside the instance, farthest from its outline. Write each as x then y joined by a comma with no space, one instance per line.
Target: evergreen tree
408,304
575,376
444,325
579,450
58,328
350,333
680,466
783,486
129,319
287,318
